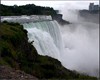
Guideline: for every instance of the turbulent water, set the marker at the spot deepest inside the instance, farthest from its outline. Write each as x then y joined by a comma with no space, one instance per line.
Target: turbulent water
46,36
81,42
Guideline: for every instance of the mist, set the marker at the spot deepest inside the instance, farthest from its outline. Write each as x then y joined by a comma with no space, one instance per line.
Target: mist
81,43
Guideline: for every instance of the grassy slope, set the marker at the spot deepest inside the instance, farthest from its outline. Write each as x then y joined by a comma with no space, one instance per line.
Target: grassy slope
15,51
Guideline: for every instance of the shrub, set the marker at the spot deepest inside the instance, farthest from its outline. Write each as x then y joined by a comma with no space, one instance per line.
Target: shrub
5,51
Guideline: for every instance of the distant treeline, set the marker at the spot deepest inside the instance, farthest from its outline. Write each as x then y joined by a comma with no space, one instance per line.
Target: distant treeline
29,9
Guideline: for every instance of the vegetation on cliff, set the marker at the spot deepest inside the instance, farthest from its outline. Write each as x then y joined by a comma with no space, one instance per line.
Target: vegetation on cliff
29,9
16,52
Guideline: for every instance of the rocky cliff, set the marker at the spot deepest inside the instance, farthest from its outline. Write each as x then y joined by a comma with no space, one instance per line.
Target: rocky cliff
59,19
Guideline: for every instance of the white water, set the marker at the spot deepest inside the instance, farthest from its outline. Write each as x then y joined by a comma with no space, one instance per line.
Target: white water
25,18
81,43
46,36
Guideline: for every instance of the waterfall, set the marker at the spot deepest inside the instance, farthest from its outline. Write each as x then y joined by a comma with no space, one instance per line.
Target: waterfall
43,31
46,36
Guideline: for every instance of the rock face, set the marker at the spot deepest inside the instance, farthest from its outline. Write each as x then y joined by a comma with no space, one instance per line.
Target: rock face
59,19
7,72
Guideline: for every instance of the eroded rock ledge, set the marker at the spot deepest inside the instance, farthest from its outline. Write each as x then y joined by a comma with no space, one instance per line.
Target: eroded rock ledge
8,73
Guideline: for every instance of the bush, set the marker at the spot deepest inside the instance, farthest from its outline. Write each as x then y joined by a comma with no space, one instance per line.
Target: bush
5,52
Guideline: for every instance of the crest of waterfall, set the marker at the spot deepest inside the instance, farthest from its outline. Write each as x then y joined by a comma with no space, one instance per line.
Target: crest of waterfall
46,36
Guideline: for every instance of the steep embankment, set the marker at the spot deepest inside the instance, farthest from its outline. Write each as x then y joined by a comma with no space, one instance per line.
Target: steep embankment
16,52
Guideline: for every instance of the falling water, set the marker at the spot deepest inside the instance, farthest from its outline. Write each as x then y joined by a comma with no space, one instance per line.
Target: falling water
46,36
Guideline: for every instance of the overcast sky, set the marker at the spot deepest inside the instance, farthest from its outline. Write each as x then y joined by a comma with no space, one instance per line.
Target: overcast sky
77,4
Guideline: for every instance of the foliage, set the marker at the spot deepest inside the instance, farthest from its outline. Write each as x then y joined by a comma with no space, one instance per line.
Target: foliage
29,9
